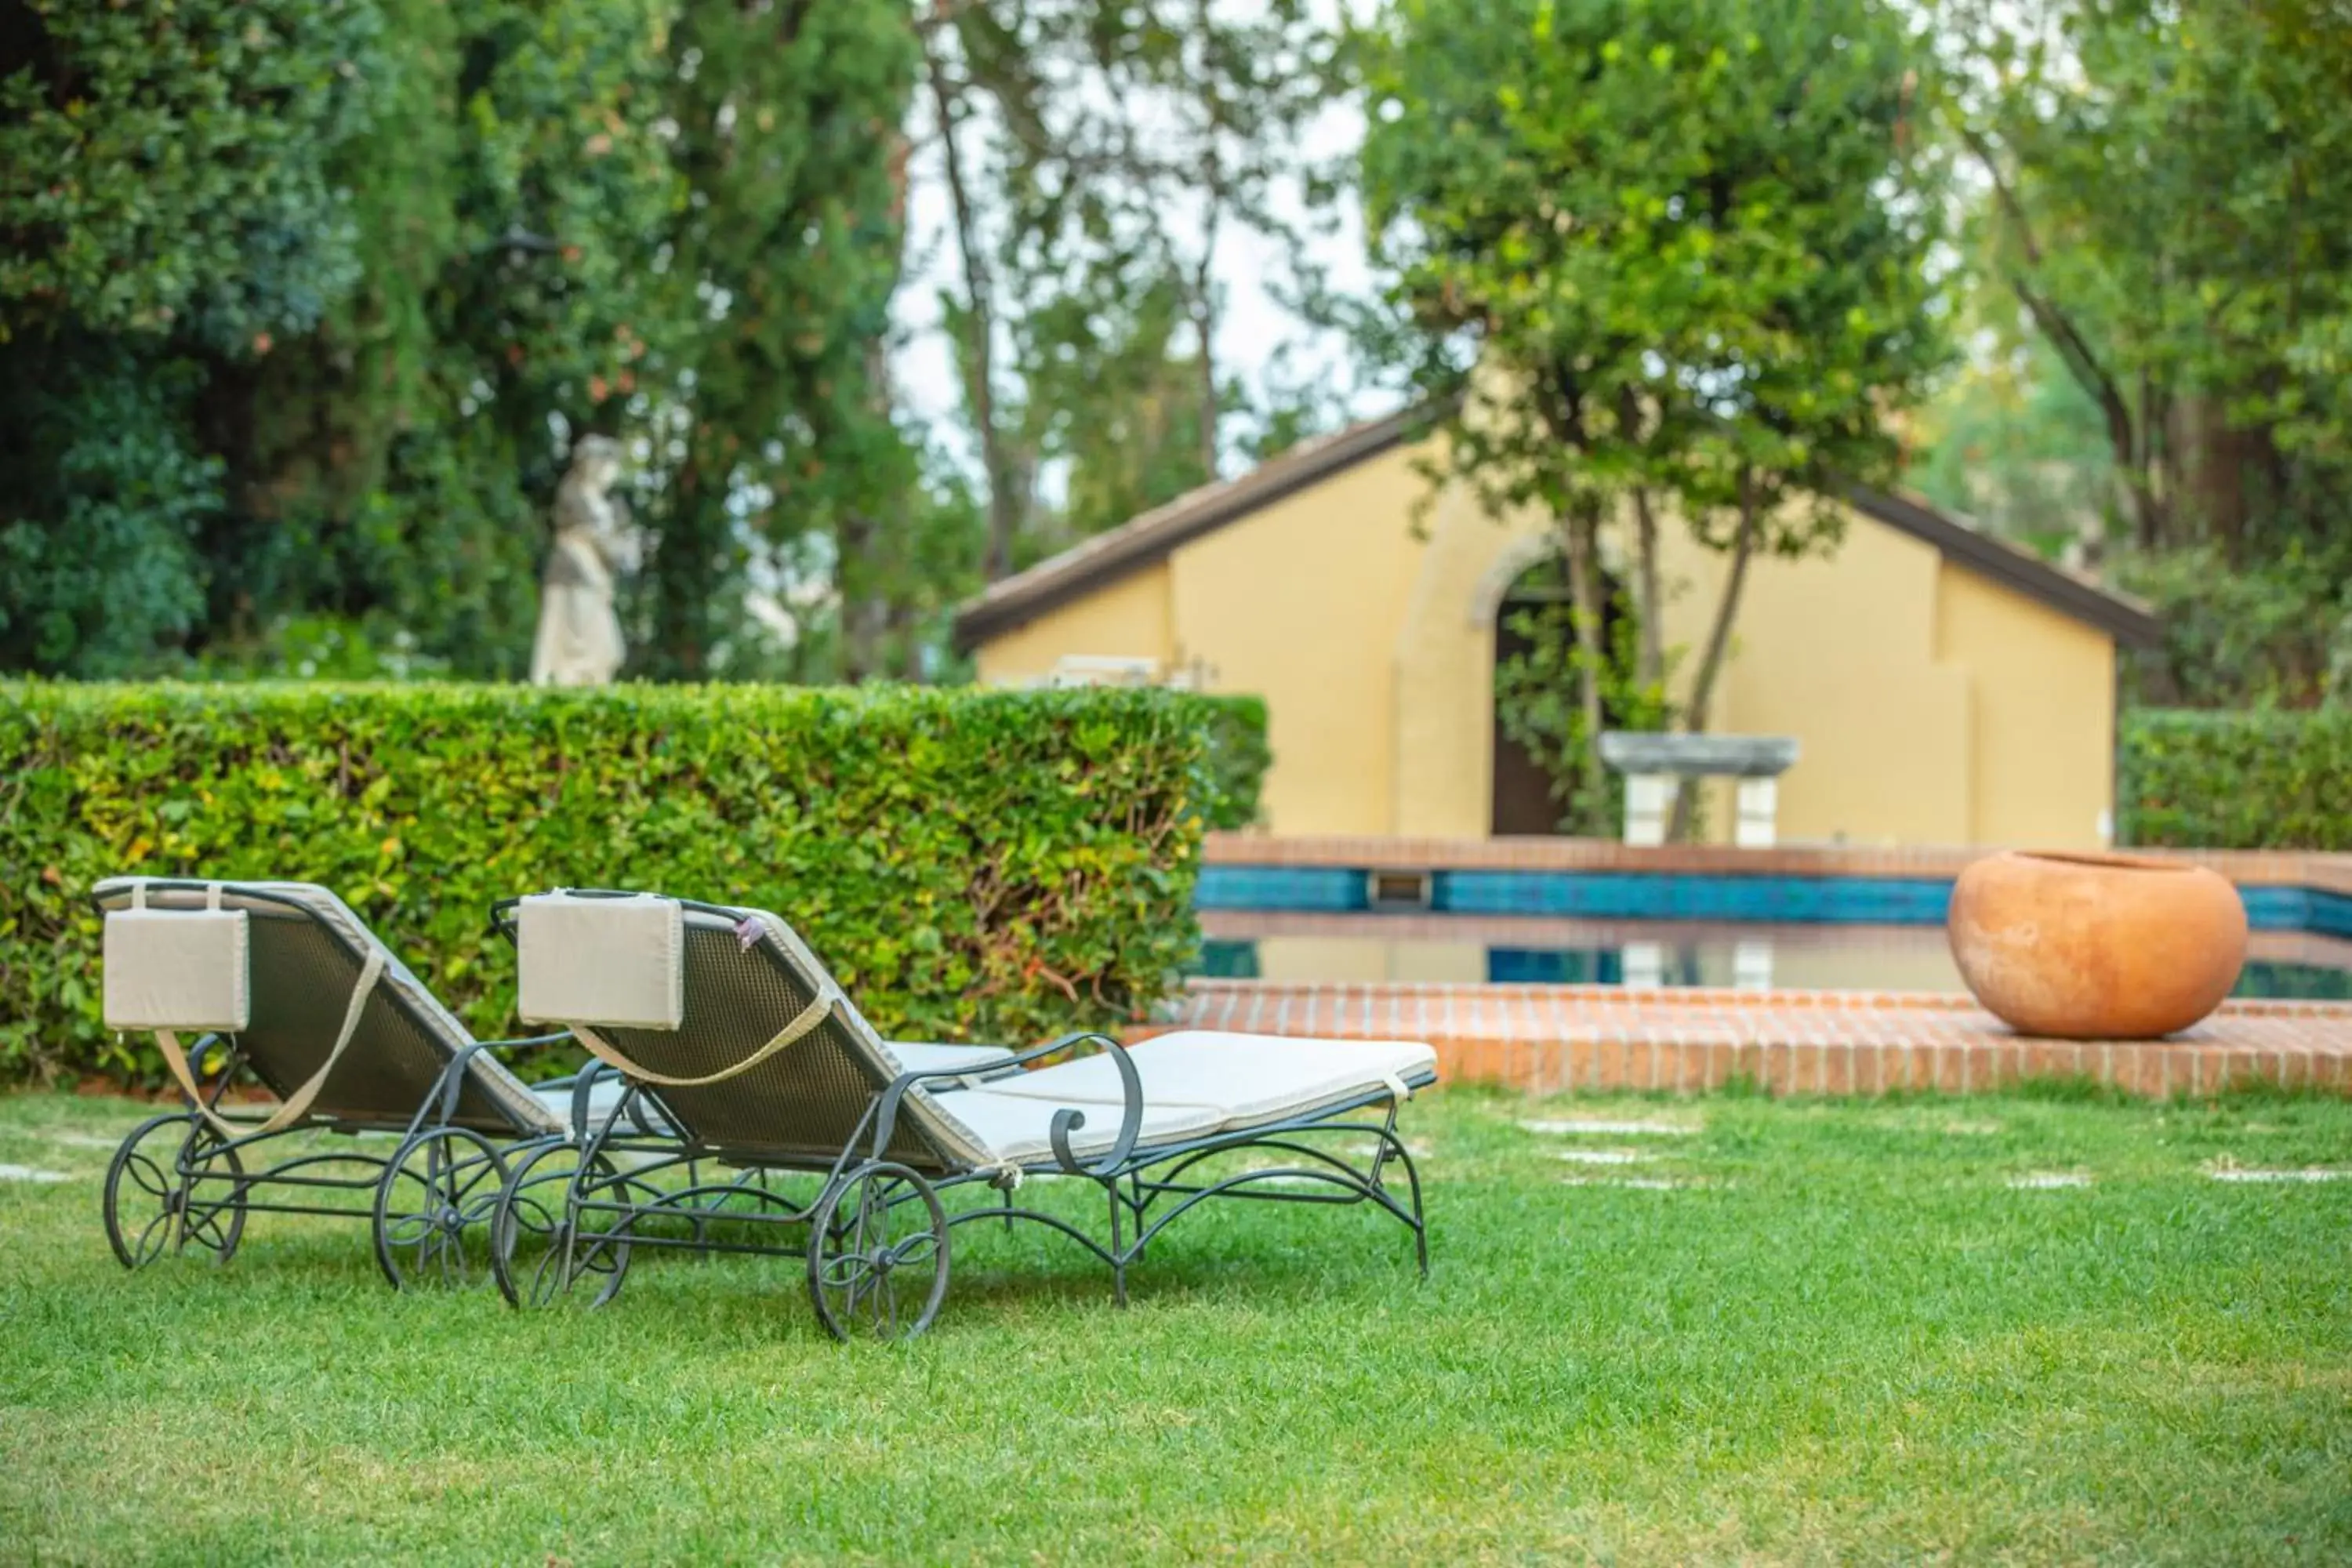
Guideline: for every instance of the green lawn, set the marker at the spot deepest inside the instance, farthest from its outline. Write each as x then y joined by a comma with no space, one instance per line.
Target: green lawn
1819,1331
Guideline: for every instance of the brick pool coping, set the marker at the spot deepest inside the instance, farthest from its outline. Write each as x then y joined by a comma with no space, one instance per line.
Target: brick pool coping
1548,1038
1595,1038
2329,873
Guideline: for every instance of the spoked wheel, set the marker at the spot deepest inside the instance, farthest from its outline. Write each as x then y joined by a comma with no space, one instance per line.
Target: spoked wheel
151,1207
433,1208
877,1257
542,1245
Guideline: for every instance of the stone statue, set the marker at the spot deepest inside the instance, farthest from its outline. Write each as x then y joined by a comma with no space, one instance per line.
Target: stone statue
578,641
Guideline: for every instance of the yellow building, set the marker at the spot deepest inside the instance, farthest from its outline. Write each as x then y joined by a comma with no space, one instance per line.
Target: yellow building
1945,688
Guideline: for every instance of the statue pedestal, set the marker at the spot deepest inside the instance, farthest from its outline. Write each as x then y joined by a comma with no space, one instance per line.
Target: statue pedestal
1655,764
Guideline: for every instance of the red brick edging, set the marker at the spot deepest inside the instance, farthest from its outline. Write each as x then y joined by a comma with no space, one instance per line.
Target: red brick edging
1594,1038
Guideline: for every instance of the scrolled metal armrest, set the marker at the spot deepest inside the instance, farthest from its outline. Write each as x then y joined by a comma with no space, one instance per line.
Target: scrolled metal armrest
203,1049
453,1077
1069,1119
583,1086
1065,1121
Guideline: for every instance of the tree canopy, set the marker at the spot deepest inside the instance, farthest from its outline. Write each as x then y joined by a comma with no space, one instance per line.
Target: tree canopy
1677,253
308,302
2166,207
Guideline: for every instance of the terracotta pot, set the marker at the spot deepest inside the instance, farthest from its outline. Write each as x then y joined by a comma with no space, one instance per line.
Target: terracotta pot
2097,946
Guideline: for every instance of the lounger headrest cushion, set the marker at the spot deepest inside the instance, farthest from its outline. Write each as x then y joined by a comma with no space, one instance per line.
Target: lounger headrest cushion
176,969
601,961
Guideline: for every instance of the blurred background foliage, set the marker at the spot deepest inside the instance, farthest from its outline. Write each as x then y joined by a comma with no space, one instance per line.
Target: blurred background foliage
302,302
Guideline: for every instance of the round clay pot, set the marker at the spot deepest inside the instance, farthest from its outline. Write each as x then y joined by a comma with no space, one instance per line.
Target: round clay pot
2097,946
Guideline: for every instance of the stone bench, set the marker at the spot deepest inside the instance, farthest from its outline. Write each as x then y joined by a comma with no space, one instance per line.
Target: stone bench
1653,763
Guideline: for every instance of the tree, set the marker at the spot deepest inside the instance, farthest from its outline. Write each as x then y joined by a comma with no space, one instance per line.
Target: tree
164,199
1689,246
2012,442
393,467
1097,156
2169,206
308,300
313,300
782,253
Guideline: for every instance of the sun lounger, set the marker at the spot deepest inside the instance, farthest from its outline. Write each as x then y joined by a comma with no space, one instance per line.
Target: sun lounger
723,1022
293,993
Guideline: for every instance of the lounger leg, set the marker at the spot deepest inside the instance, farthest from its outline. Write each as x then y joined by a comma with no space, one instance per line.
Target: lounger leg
1118,1250
1420,1221
1137,1202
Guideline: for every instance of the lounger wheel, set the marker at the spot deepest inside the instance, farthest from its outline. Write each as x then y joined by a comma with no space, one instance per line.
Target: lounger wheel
543,1242
878,1257
165,1190
433,1207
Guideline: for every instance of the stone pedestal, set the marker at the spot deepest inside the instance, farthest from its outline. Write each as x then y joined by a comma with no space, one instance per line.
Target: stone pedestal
1756,825
1653,764
1649,801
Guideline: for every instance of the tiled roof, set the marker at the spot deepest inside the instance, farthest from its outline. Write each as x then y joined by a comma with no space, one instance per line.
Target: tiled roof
1154,535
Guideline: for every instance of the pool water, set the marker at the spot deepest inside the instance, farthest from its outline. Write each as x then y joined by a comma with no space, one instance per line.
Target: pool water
1466,949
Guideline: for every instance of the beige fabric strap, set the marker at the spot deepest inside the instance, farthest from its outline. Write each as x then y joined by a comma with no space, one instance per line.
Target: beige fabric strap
809,1017
1399,1091
298,1104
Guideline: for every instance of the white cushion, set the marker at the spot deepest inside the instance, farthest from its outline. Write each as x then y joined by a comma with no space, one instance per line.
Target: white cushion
1247,1079
1015,1128
615,961
177,969
923,1056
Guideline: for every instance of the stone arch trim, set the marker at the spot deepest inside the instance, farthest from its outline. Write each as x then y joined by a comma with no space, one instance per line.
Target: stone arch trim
1523,552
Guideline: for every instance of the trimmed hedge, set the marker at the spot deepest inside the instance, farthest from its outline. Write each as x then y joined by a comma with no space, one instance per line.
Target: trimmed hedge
1238,759
973,864
2274,780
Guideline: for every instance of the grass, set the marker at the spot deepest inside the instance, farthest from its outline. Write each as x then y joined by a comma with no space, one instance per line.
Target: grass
1821,1332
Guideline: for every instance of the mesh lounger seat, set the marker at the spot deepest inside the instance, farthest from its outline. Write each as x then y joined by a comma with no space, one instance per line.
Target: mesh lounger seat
758,1058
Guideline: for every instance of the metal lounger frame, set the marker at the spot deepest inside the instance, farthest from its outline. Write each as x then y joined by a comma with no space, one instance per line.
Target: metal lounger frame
448,1161
607,1212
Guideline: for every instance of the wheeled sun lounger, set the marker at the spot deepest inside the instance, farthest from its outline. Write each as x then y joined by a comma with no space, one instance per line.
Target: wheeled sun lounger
726,1024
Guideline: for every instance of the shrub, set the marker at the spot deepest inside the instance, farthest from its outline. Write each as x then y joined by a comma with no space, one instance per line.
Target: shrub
1238,759
973,864
2264,780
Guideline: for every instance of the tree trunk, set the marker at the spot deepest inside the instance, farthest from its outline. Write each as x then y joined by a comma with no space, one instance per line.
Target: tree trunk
1004,506
1213,188
1650,658
1584,594
1204,323
861,608
1718,642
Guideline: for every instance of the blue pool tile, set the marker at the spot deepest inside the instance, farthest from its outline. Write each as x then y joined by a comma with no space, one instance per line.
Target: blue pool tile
2330,914
1625,894
1320,889
1613,895
1555,966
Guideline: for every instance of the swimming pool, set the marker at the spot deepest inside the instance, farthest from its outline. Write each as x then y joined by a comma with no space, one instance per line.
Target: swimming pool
1327,923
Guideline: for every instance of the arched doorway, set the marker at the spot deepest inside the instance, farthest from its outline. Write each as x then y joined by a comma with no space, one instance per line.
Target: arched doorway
1523,802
